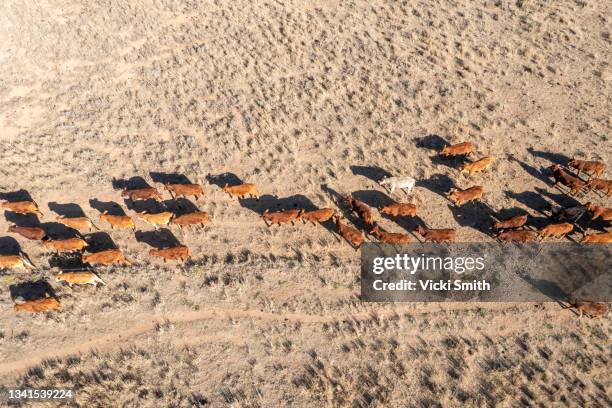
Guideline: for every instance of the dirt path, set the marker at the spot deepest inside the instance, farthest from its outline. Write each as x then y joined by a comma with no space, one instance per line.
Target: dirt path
128,332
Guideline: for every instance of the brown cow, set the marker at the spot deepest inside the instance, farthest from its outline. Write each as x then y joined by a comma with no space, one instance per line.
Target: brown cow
320,215
184,190
65,245
511,223
459,197
107,257
352,235
389,237
14,261
162,218
38,305
561,176
79,278
118,221
281,217
77,223
145,193
361,209
601,185
193,218
33,233
556,230
399,210
599,212
242,190
602,238
589,308
517,236
478,165
592,168
458,149
179,252
22,207
436,235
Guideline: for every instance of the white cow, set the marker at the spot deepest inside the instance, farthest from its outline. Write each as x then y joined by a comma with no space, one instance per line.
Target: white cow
405,183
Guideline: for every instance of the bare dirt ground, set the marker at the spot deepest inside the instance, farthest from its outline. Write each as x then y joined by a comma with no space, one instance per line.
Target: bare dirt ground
310,101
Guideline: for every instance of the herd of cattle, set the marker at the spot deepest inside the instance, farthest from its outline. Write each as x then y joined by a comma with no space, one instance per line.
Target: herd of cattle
509,230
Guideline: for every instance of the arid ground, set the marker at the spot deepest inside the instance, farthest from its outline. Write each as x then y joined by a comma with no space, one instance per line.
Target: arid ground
310,100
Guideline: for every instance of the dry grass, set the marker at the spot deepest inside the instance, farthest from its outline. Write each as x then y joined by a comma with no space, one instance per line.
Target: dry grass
308,100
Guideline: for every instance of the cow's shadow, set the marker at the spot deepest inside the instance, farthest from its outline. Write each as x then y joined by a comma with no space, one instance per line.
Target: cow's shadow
180,206
541,174
530,199
439,183
169,178
374,173
15,196
220,180
68,262
431,142
99,241
112,207
9,246
129,184
555,158
162,238
56,230
150,206
69,210
31,290
474,214
22,220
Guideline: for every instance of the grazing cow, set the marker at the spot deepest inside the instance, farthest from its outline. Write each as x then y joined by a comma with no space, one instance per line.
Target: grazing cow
459,197
405,183
599,212
478,165
145,193
593,168
77,223
33,233
193,218
242,190
399,210
361,209
179,252
458,149
556,230
517,236
320,215
65,245
184,190
107,257
352,235
602,238
14,261
281,217
436,235
561,176
389,237
79,278
22,207
511,223
589,308
38,305
162,218
601,185
118,221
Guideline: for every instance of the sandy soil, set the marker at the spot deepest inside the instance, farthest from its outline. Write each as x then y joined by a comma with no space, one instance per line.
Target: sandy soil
310,102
